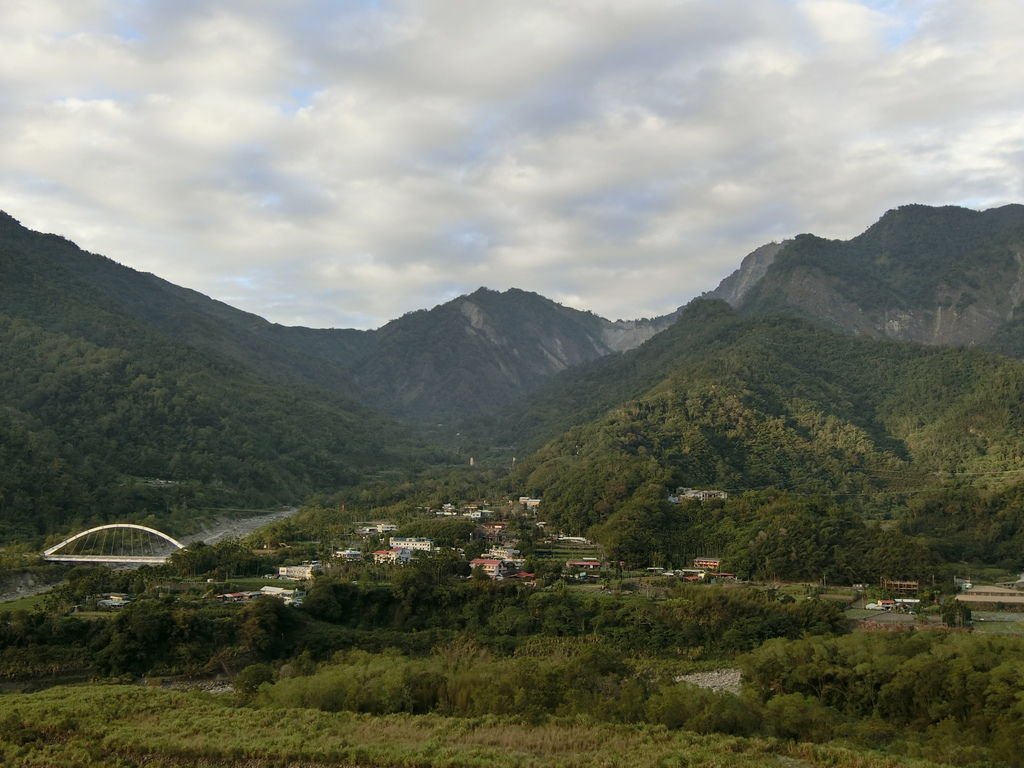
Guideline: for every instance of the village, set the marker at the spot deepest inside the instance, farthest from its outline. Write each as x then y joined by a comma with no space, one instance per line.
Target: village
512,542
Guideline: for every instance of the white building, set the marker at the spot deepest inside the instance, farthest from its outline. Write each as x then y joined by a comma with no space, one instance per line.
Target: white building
393,556
298,572
494,568
372,529
349,555
697,495
502,553
416,543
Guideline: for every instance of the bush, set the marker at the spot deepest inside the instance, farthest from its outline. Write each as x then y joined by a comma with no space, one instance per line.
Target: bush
249,680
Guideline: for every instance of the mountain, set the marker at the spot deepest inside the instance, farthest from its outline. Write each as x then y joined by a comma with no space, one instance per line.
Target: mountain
752,269
462,359
475,354
727,401
123,394
948,275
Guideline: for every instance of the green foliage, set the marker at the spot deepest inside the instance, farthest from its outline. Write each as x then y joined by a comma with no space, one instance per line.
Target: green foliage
955,613
249,680
911,256
967,524
129,725
719,401
122,395
954,691
707,620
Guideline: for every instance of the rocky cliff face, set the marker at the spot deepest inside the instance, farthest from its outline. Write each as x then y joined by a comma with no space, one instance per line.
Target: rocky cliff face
624,335
754,266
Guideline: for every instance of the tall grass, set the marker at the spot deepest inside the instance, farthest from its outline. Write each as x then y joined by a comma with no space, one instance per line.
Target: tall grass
94,725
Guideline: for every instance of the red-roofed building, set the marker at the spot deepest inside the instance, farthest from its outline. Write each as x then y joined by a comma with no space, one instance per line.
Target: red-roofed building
394,555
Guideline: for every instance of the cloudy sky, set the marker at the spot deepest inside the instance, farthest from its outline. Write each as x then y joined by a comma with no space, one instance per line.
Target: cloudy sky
334,163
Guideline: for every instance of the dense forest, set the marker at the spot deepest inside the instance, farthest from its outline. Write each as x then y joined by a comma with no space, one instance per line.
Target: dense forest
868,427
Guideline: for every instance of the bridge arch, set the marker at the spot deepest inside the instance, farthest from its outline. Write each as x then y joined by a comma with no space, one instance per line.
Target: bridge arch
54,553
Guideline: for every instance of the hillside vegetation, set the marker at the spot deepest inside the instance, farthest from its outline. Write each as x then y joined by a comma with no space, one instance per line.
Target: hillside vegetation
948,276
105,413
743,404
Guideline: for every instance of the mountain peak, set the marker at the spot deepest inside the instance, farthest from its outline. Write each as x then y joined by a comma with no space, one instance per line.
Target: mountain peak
934,275
754,266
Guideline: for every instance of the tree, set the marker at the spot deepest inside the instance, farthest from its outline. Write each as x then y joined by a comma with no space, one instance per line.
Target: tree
955,613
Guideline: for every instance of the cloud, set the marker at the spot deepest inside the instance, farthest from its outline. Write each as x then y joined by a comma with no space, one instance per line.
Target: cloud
338,164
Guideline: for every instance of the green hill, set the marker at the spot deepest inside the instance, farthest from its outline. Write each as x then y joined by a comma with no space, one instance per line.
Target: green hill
121,394
745,404
124,394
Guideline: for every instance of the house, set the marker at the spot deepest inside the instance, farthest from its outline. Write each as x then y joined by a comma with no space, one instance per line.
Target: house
707,563
529,504
372,529
692,574
574,540
416,543
987,594
393,556
298,572
586,564
502,553
900,587
241,597
349,555
495,568
288,596
492,531
694,494
114,601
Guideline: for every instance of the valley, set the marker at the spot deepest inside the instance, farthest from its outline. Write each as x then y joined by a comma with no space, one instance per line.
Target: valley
508,526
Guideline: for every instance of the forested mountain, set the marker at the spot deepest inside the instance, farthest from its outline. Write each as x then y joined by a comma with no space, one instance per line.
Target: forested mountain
932,275
464,358
124,393
726,401
475,354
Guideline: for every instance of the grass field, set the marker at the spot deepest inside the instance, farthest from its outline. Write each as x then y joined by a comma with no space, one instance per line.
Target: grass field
22,604
91,725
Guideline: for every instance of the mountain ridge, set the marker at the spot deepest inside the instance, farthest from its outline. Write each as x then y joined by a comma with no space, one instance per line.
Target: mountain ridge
465,354
934,275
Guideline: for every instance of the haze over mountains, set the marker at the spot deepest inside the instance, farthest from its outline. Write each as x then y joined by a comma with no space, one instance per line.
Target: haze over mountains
123,392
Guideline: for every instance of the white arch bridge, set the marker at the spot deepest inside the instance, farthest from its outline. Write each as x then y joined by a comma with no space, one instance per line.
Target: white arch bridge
118,543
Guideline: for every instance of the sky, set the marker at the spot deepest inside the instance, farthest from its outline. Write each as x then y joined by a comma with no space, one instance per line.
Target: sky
337,164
